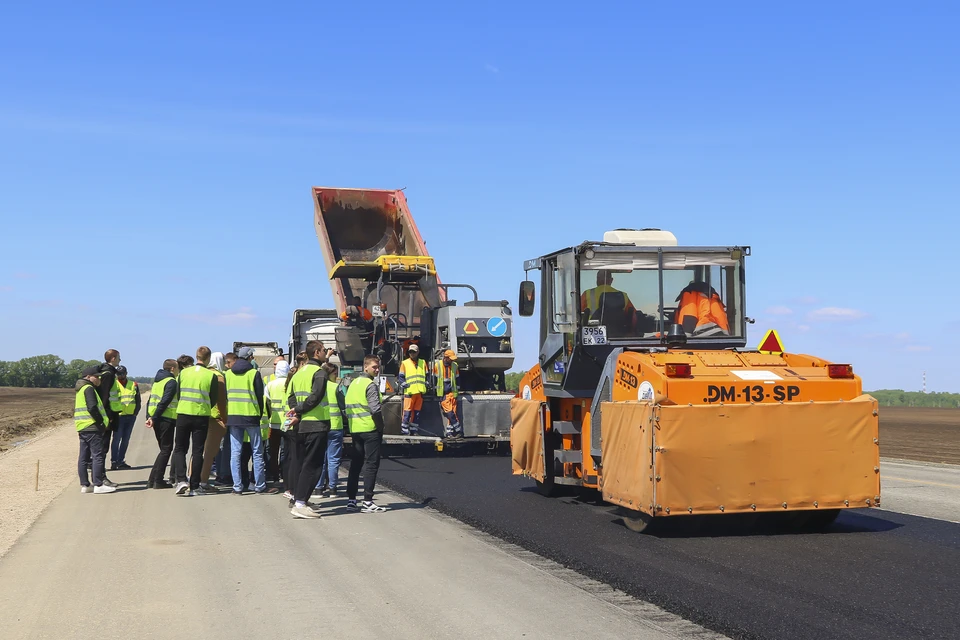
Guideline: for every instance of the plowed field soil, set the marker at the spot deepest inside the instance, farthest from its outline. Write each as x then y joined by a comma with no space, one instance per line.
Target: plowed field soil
929,435
25,411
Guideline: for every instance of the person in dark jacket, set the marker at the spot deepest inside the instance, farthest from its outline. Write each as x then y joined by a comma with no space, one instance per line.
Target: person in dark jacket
90,418
312,423
243,417
162,418
108,375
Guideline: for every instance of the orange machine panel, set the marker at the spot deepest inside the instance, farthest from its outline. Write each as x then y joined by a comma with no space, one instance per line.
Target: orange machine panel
626,476
765,457
526,438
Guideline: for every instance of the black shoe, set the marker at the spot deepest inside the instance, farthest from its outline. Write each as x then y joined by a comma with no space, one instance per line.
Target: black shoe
124,465
161,484
236,493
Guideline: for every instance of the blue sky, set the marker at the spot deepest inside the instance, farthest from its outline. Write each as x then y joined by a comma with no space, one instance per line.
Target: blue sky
165,155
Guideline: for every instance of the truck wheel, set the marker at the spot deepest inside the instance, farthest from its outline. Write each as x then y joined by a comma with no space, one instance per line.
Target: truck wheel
635,520
820,520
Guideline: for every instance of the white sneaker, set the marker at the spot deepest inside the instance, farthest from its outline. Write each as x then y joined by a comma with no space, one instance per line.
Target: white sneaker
104,489
182,488
288,495
86,489
304,512
371,507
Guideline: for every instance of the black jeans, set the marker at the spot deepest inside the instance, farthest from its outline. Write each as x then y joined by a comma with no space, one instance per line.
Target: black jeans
273,455
91,454
289,462
246,452
163,428
365,451
189,428
312,450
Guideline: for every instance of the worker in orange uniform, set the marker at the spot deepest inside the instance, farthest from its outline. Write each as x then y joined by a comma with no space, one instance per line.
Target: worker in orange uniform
357,314
413,381
446,375
700,310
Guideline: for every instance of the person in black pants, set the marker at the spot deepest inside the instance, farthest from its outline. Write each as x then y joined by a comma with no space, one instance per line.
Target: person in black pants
308,398
364,411
162,401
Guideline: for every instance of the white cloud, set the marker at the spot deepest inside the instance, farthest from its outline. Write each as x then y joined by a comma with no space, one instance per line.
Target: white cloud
779,310
6,288
835,314
242,316
806,300
803,328
918,347
23,275
492,69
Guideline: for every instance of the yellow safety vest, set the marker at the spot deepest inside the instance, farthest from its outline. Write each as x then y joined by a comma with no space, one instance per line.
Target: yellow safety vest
415,376
128,397
451,374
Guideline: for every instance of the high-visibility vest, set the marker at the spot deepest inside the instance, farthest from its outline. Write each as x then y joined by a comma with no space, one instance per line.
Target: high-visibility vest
442,373
336,419
214,409
82,417
128,397
415,376
591,297
156,394
358,410
195,383
115,391
277,393
241,399
302,386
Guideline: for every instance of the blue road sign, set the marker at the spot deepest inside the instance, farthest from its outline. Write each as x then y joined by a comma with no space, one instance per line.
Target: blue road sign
497,327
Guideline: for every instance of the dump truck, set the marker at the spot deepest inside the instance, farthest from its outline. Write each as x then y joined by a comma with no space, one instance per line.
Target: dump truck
645,391
375,254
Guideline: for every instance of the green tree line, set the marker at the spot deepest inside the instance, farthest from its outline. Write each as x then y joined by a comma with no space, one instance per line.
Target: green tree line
46,371
900,398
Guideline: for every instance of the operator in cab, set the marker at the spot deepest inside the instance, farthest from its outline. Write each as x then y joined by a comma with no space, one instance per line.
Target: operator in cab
356,314
700,311
610,306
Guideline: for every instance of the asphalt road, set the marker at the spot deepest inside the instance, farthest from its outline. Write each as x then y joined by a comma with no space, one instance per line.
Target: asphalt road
143,563
873,574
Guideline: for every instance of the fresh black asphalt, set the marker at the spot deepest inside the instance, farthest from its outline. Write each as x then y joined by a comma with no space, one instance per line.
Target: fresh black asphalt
872,574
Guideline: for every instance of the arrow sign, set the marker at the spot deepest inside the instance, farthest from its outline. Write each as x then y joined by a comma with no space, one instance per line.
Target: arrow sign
497,327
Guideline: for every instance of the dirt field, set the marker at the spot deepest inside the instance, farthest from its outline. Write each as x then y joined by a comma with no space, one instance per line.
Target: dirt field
25,411
930,435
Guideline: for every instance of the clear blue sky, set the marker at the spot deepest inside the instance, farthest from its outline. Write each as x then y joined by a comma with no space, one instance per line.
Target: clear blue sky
165,156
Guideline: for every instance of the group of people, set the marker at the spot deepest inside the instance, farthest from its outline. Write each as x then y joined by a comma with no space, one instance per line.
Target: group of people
218,405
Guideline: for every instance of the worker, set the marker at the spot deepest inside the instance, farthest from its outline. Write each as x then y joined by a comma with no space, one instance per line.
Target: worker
109,392
446,375
162,418
90,418
224,477
129,409
413,381
275,403
244,409
198,391
183,362
216,425
330,473
599,302
364,412
356,314
273,376
700,310
289,463
308,400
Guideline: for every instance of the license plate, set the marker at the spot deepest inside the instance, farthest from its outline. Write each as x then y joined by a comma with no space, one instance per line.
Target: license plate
594,336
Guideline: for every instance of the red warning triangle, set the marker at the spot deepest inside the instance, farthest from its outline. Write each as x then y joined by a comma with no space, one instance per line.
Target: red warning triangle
771,343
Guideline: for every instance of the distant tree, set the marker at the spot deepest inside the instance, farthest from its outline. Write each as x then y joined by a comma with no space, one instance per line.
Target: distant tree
901,398
41,371
73,369
512,381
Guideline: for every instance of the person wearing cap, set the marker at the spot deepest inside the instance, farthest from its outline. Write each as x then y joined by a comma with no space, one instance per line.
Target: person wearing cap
413,381
446,375
90,418
364,412
129,409
198,391
162,418
244,410
275,404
